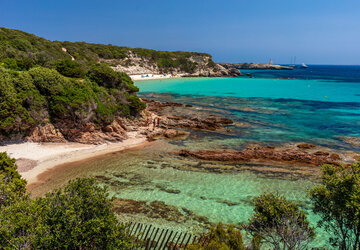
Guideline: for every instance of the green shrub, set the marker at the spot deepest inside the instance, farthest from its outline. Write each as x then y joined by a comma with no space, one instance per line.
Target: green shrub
280,223
337,201
9,63
17,64
48,81
69,68
135,104
12,186
105,76
222,237
80,217
14,118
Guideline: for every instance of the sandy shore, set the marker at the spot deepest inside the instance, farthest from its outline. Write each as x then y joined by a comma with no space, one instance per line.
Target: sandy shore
34,159
153,77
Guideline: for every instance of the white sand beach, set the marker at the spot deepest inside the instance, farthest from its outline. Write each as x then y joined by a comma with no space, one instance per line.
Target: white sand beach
34,159
153,77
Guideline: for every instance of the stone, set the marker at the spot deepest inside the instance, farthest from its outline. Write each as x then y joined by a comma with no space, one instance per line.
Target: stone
229,203
305,146
45,133
172,133
108,129
172,191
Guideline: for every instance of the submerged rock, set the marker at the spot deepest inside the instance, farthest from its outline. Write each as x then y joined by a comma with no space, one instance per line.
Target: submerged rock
353,141
305,146
156,210
229,203
171,191
172,133
266,154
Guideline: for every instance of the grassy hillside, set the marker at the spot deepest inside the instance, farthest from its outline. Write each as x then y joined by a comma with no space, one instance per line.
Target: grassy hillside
22,46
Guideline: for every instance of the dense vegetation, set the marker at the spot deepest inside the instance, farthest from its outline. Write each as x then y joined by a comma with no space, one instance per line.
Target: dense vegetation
41,83
79,216
25,49
39,95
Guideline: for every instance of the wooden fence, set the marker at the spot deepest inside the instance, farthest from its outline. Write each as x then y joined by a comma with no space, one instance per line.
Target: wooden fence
156,238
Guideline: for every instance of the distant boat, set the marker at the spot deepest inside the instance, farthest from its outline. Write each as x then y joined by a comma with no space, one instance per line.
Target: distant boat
293,63
304,66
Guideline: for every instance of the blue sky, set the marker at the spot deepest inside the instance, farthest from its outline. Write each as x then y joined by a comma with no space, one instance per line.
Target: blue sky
316,31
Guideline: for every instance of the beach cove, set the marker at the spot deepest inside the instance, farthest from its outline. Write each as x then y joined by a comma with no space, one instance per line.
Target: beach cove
191,193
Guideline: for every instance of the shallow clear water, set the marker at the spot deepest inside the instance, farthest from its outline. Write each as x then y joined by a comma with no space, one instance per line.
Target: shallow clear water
145,175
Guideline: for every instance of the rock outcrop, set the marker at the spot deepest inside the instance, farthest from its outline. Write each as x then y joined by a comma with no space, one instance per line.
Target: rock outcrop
266,154
171,121
88,133
46,133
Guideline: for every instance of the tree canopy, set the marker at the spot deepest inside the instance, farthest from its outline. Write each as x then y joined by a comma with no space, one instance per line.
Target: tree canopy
12,186
337,201
280,223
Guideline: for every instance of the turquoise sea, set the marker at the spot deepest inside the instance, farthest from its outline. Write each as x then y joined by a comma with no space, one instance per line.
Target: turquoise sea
317,111
266,110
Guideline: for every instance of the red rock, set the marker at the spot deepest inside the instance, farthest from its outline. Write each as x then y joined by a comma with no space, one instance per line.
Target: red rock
305,146
172,133
108,129
89,127
265,154
46,133
335,157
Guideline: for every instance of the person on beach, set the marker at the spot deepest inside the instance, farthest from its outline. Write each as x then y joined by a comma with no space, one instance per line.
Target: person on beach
154,123
158,122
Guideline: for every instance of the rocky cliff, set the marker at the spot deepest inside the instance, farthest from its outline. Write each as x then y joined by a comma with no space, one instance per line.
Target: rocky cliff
202,66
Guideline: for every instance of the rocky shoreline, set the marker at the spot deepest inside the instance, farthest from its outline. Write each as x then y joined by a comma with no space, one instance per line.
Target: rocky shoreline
256,66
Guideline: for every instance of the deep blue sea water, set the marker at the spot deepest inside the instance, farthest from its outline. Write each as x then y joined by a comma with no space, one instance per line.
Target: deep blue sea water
343,73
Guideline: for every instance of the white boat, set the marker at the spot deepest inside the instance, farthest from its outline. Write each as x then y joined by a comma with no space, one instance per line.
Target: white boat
304,66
